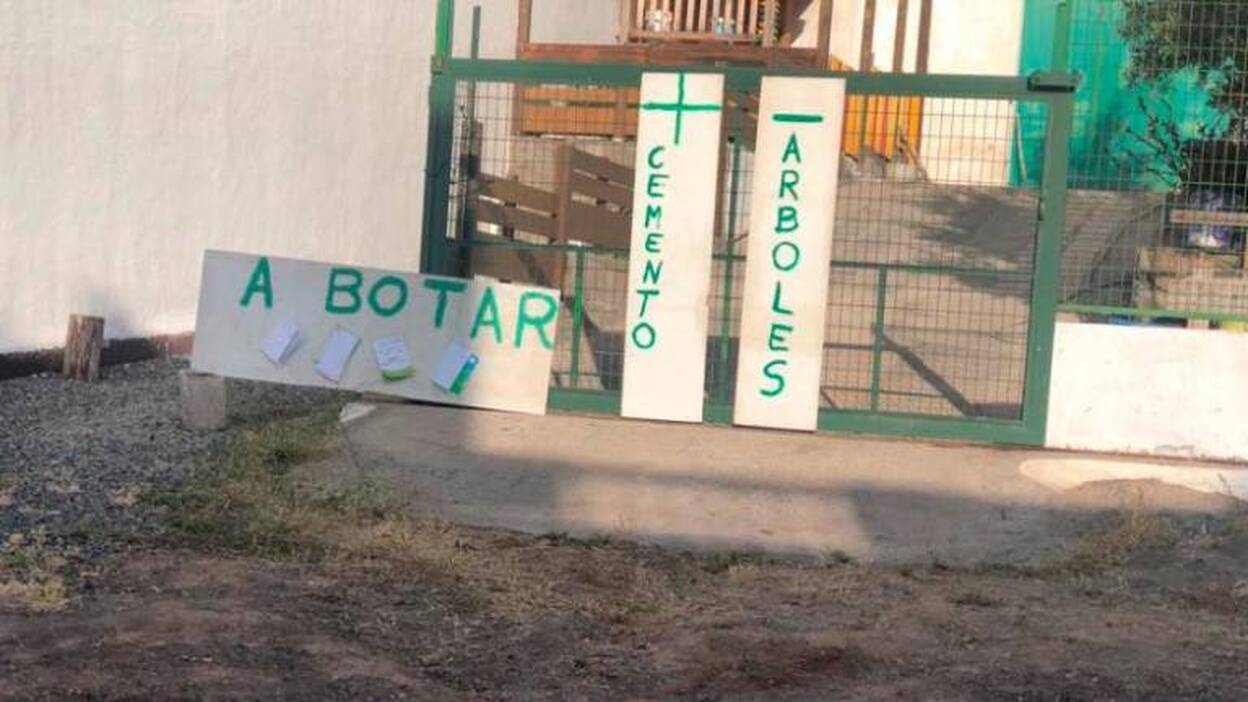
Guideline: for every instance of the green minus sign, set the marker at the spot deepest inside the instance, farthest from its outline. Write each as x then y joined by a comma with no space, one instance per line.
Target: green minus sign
796,118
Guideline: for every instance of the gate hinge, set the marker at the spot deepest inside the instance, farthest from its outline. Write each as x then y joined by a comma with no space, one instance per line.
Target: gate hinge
437,63
1053,81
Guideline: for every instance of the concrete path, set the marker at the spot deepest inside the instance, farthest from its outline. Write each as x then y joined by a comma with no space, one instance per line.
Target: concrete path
727,488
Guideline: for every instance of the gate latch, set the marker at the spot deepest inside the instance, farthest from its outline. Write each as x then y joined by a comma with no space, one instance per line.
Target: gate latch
1053,81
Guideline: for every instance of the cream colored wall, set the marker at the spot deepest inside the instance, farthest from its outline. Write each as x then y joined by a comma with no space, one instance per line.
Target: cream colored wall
969,142
968,36
963,142
846,38
572,21
136,133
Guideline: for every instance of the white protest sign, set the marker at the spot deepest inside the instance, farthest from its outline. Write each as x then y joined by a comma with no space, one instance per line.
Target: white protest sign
793,210
407,321
669,270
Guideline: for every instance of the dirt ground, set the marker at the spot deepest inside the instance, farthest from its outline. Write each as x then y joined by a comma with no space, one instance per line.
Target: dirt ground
577,621
263,588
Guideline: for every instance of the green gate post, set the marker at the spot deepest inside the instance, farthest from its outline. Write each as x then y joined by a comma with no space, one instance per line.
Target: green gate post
1048,256
730,230
1061,37
877,346
435,249
578,317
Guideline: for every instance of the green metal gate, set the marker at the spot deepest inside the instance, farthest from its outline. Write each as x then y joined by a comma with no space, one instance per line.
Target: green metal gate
944,278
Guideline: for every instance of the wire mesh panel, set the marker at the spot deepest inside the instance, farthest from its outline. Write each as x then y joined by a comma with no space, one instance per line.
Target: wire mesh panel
1158,216
934,255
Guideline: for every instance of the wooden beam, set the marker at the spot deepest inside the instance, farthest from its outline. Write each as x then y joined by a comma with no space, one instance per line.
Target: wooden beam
563,199
524,23
824,44
601,190
673,54
84,342
597,225
899,36
866,61
514,191
1213,219
601,167
924,53
515,218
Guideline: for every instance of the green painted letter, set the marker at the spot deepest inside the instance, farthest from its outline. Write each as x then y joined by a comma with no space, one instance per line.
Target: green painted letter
795,256
645,300
488,305
776,339
770,371
652,273
351,288
653,157
654,213
792,149
654,184
775,302
644,336
788,181
786,219
652,242
261,281
538,322
399,285
443,287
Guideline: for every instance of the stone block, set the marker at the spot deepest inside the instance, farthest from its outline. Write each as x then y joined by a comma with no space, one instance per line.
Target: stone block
203,401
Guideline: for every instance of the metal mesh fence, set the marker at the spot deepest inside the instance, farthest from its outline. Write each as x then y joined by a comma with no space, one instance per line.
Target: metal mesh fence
1158,213
933,254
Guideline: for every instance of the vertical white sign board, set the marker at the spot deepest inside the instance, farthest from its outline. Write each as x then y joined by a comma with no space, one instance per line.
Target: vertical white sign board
669,270
784,306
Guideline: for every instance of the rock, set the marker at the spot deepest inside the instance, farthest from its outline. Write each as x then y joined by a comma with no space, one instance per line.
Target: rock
355,410
1239,591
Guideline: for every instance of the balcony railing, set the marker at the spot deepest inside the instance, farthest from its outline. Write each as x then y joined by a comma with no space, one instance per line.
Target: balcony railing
732,21
684,32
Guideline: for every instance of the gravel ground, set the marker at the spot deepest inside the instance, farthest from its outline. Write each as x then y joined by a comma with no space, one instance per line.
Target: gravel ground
74,457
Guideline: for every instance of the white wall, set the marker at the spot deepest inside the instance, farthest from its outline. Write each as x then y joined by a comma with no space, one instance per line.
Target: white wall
571,21
136,133
1150,390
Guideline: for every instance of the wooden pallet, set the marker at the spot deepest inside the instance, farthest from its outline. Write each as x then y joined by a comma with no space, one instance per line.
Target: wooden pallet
591,204
1188,280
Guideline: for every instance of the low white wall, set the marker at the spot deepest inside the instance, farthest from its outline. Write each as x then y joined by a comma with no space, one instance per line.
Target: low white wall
1150,390
136,133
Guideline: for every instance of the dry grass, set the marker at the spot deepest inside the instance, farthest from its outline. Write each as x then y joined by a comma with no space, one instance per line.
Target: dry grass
31,573
255,504
1123,535
250,503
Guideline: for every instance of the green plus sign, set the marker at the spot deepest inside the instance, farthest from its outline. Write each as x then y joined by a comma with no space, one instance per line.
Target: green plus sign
680,107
